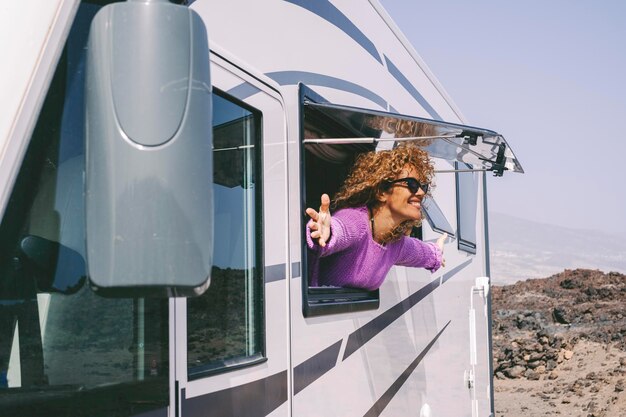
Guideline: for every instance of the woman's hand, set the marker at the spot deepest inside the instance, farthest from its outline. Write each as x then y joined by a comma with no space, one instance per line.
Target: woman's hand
320,222
440,242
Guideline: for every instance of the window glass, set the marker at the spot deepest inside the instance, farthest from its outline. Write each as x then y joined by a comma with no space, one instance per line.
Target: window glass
224,325
435,217
63,349
467,195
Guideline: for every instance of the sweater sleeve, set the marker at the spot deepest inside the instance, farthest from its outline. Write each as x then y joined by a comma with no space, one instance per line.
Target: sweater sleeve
415,253
346,229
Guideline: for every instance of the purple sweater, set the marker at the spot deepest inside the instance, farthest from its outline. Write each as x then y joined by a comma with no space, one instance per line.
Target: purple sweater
352,258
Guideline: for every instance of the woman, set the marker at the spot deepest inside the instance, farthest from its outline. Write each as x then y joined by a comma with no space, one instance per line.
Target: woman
378,205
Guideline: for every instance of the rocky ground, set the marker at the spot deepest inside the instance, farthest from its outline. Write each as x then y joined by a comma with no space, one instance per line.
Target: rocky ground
560,346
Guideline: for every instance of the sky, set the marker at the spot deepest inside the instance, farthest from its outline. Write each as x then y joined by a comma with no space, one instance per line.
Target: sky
551,77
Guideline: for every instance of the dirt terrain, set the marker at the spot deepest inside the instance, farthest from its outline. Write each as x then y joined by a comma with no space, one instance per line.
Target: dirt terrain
560,346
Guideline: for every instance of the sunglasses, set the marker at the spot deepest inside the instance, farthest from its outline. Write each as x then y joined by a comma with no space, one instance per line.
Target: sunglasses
412,184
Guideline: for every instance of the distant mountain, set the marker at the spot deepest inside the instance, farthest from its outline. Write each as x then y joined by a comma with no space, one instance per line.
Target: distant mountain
522,249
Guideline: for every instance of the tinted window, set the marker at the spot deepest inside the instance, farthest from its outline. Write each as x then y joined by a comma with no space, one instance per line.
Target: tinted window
64,350
224,326
435,217
467,199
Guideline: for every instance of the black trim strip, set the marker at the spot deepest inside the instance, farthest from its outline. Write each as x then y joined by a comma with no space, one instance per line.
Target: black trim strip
335,17
366,332
489,310
177,398
408,86
311,78
385,399
275,273
313,368
254,399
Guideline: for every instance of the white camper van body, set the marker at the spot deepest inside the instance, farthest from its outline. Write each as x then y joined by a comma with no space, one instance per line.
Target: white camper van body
423,350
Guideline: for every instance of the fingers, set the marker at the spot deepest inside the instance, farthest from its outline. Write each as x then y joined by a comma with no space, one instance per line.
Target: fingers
442,240
314,226
312,214
316,233
440,243
324,208
320,221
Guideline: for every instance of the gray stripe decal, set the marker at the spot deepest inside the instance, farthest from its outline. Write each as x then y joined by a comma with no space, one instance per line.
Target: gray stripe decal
385,399
254,399
274,273
450,274
259,398
395,72
311,78
334,16
313,368
366,332
295,270
243,90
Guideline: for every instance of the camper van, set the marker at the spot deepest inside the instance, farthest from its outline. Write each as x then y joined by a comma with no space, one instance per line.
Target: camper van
156,161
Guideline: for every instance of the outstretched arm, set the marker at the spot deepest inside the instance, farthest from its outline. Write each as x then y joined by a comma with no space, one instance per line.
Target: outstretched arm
418,254
319,225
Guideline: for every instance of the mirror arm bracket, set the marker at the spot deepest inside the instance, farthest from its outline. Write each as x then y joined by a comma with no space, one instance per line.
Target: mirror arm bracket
499,166
470,138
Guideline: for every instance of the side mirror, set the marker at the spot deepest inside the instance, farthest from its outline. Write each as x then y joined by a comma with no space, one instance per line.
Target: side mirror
149,166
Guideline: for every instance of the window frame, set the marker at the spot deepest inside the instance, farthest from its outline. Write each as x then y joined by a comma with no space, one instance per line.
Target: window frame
320,301
232,364
331,300
360,128
465,245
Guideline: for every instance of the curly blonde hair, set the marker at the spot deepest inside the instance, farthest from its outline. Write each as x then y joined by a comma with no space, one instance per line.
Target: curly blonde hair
372,173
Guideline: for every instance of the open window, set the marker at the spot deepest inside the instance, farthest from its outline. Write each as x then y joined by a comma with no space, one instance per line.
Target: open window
324,168
435,217
333,136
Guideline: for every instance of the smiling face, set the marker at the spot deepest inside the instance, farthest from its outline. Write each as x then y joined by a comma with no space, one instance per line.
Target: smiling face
400,202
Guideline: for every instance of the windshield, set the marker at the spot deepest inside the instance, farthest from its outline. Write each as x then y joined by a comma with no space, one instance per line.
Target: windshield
108,356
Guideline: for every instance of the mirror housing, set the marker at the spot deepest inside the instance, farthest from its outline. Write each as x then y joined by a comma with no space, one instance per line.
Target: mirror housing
149,162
